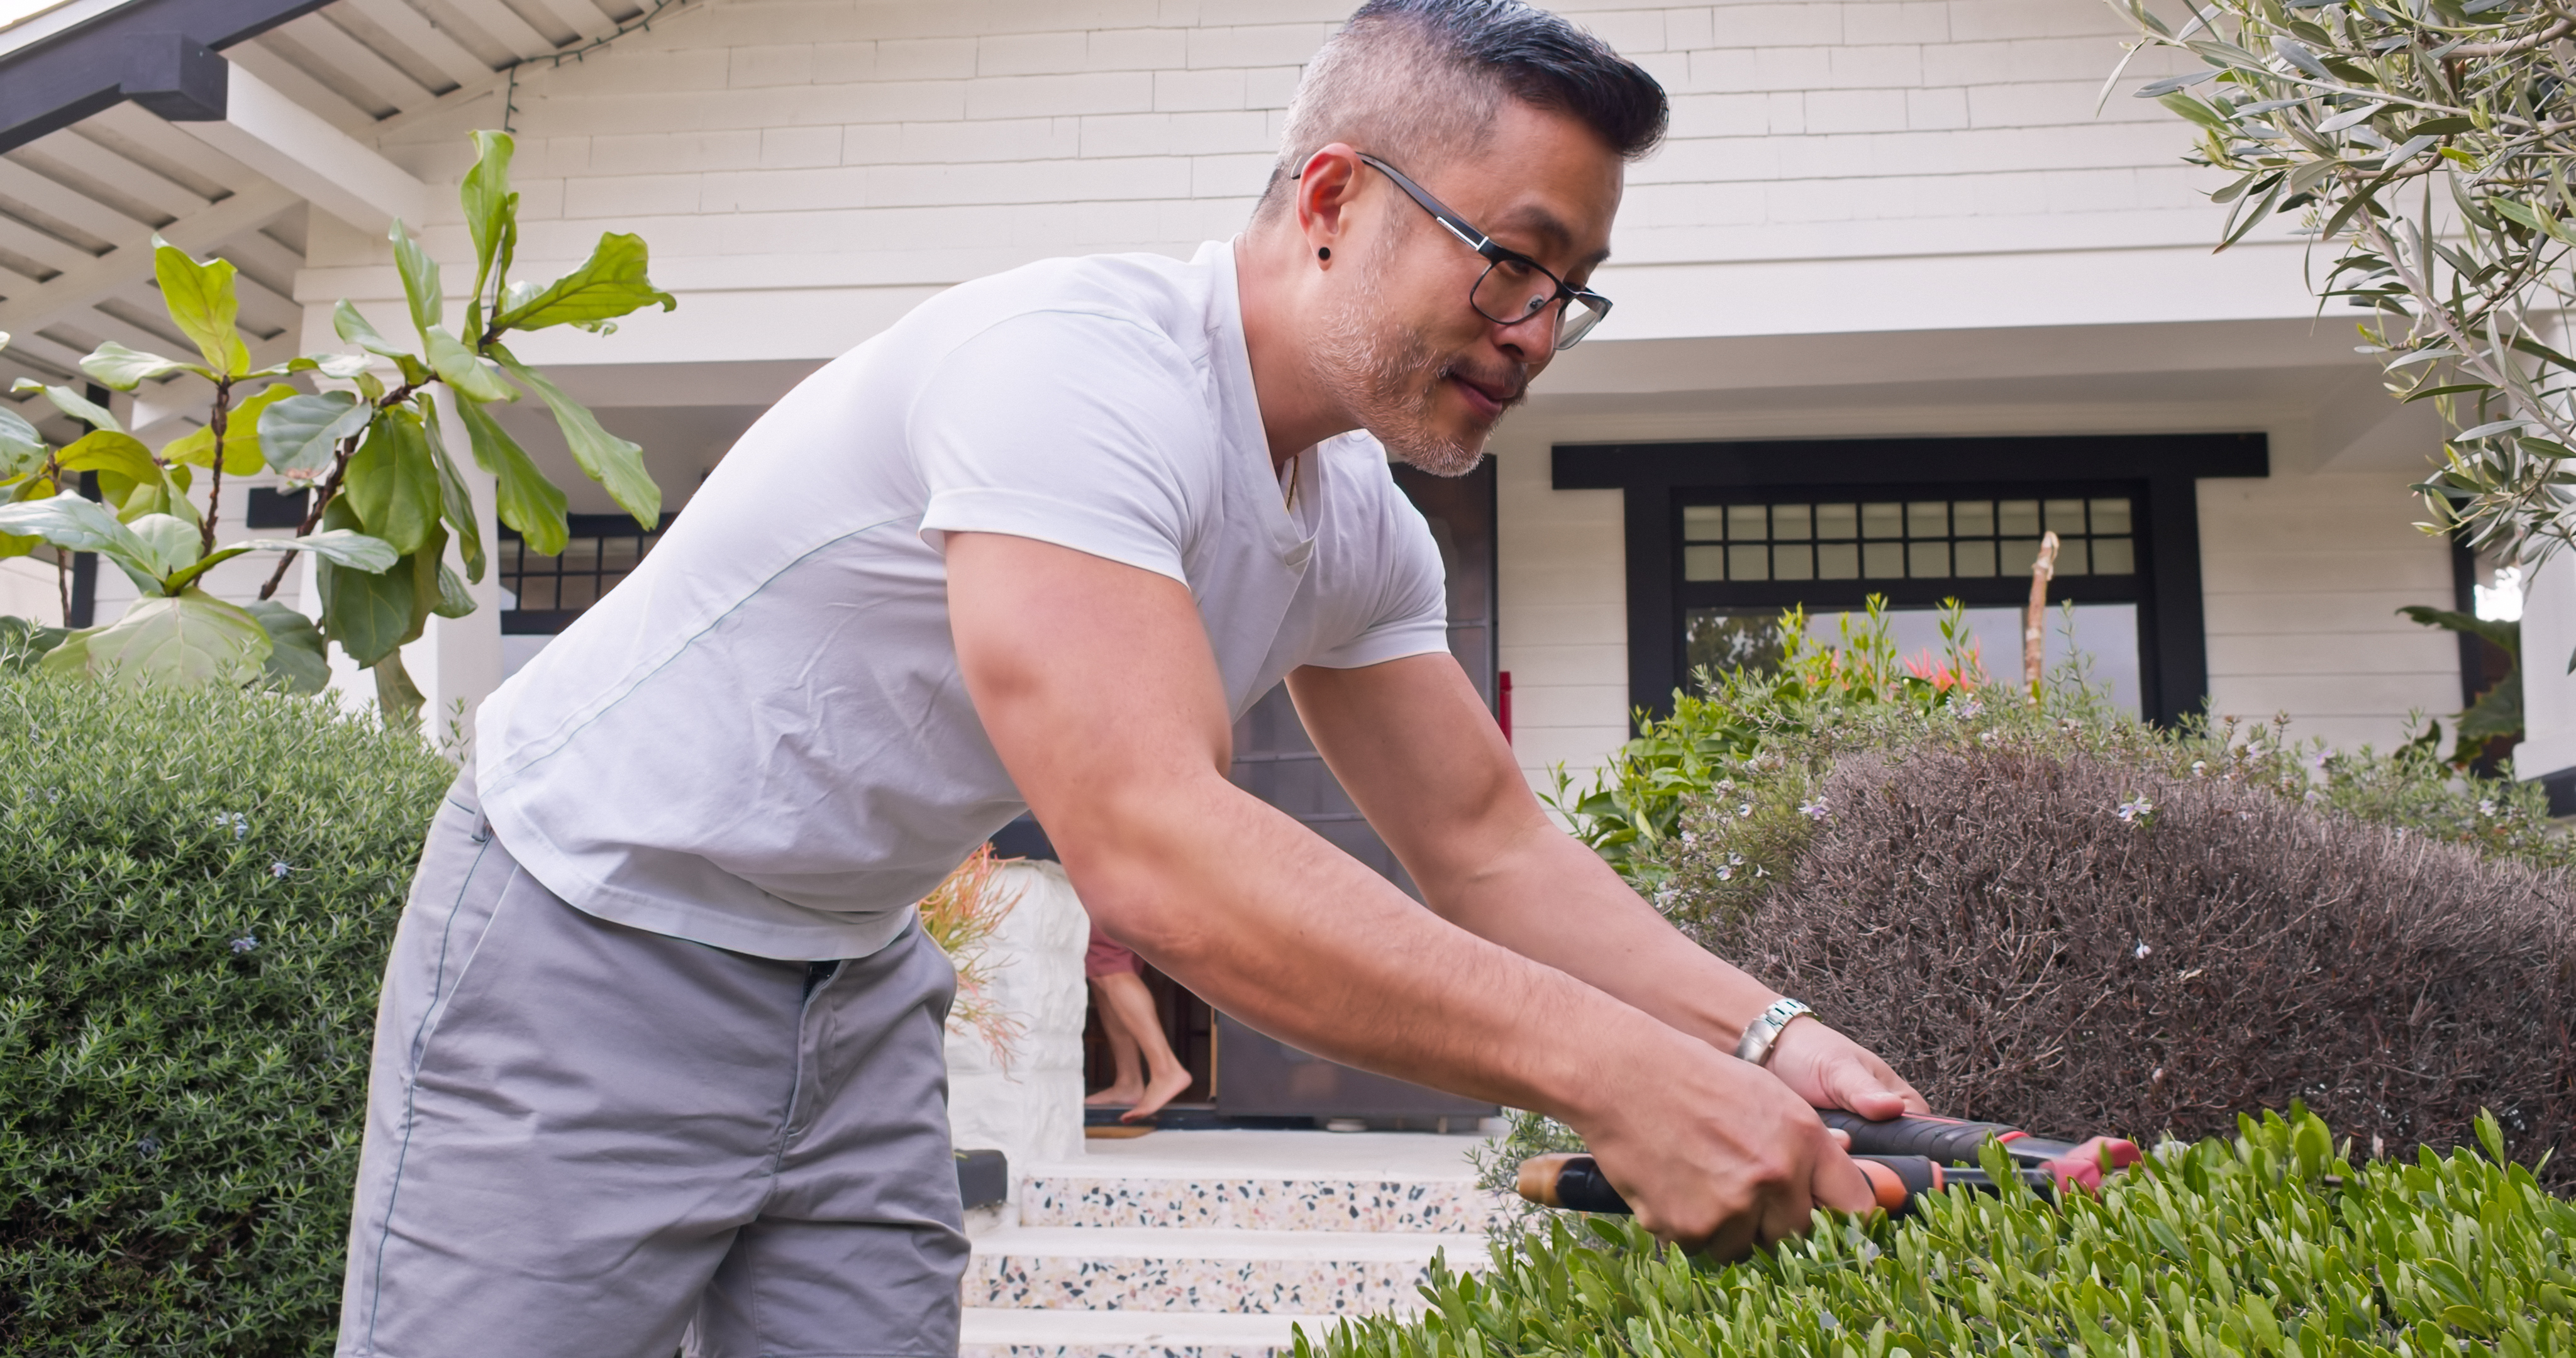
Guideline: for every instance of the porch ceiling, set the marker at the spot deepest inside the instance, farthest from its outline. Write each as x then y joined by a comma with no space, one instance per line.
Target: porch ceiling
84,188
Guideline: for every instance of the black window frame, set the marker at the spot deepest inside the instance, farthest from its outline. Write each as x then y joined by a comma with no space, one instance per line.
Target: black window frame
2159,472
512,562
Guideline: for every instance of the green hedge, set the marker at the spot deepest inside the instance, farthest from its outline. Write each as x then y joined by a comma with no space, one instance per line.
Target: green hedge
199,890
2269,1244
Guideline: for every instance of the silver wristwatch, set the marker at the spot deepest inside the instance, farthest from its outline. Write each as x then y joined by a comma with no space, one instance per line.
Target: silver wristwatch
1763,1033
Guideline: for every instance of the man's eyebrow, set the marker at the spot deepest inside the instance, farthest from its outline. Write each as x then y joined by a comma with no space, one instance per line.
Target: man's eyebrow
1553,234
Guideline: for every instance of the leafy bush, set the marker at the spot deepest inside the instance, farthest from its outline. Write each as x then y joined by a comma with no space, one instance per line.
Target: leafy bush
200,888
2272,1243
2058,917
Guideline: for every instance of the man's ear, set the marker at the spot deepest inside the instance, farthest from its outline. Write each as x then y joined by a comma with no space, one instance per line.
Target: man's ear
1323,194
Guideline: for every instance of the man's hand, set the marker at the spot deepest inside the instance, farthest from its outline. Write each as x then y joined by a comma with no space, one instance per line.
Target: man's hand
1714,1154
1830,1070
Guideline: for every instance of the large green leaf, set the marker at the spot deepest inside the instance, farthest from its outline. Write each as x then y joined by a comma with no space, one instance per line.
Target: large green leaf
391,482
22,449
298,661
340,546
242,446
398,699
453,600
301,434
79,525
456,505
609,284
528,502
183,641
462,370
491,210
366,612
71,403
105,450
201,303
174,543
609,460
419,280
344,367
124,369
350,326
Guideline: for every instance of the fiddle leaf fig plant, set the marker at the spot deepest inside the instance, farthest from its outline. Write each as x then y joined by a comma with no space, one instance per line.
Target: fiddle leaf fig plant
387,496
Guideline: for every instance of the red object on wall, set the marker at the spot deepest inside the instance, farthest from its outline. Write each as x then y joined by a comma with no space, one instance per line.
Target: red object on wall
1503,703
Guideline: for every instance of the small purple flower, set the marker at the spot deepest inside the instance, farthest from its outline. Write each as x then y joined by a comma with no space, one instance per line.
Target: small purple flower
147,1148
1814,810
2136,809
279,870
1744,810
245,943
2143,950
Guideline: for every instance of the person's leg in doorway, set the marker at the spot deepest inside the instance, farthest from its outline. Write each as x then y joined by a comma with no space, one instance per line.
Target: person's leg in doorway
1135,1034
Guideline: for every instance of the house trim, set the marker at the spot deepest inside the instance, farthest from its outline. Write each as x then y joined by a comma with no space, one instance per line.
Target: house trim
2161,468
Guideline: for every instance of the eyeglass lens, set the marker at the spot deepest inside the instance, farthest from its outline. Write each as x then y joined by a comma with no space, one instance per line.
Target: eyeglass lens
1511,292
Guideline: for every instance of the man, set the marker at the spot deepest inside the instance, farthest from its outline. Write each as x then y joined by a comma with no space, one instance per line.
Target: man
660,1044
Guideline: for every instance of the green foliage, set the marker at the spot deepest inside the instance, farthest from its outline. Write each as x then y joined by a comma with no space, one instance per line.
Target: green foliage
1763,739
2497,713
200,887
373,457
2272,1243
2428,143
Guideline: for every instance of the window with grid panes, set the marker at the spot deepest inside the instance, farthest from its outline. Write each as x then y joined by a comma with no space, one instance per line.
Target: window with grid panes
546,593
1744,560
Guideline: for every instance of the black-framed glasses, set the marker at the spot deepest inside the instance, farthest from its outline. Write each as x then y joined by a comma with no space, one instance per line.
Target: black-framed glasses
1514,287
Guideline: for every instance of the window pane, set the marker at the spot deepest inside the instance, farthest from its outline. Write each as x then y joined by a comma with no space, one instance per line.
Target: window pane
1744,524
1882,521
1703,523
1837,561
2113,556
2018,518
2018,555
1727,639
1973,518
1789,523
1928,560
2072,559
1837,521
1975,559
2111,516
1928,519
1793,562
1748,562
1883,560
1703,563
2065,517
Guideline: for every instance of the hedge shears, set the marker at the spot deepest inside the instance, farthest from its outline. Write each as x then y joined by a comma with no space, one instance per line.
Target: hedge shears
1903,1158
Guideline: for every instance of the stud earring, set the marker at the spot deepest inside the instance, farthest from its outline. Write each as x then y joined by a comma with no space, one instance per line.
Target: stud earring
1324,253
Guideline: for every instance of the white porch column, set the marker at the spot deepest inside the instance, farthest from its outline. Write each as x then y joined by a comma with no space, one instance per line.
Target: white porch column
1032,1111
2548,690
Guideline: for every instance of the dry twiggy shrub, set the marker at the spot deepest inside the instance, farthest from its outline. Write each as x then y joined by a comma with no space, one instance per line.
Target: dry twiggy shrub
1986,919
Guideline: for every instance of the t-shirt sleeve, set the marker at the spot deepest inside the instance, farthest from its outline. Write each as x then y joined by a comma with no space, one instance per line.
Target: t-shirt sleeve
1412,612
1074,428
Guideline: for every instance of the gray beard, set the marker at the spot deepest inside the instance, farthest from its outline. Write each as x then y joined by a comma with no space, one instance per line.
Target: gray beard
1385,378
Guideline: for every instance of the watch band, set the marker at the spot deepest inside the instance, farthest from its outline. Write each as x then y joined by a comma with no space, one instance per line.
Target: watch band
1763,1033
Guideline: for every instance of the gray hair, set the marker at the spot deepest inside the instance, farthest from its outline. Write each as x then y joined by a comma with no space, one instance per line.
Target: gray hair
1415,80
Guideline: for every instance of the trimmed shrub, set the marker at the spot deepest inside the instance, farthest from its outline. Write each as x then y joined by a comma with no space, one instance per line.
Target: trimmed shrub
199,891
2069,942
2270,1244
2058,917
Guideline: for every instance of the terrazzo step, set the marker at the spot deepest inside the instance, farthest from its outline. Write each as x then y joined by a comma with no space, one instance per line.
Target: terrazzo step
1206,1271
1264,1181
1132,1334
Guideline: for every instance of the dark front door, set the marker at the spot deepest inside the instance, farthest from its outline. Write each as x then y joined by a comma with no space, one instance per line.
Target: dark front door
1259,1076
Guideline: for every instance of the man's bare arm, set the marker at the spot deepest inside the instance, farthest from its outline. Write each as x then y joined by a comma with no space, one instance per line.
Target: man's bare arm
1097,687
1412,743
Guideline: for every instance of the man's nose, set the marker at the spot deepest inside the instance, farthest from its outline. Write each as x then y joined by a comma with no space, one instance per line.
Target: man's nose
1532,338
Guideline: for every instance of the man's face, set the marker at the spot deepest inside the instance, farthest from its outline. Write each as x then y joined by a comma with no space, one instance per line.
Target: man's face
1398,342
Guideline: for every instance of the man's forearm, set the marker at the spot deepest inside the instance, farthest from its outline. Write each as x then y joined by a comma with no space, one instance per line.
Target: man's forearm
1546,896
1229,897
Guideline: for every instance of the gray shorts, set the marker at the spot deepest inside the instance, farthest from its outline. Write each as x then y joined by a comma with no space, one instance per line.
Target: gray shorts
585,1139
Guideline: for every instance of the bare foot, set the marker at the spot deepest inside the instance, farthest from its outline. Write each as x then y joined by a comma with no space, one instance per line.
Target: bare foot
1117,1096
1166,1087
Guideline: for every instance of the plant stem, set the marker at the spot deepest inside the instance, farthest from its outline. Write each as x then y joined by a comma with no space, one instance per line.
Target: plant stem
215,484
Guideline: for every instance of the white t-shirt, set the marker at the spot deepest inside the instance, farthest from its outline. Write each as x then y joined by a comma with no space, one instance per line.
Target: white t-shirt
760,741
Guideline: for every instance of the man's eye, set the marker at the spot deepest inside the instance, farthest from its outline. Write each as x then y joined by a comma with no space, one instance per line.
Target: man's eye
1514,269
